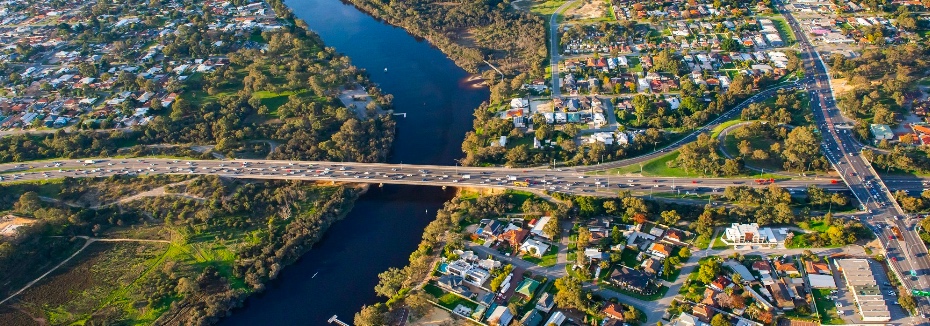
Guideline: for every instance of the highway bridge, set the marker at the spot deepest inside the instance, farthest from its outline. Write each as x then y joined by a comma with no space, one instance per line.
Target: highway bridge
554,180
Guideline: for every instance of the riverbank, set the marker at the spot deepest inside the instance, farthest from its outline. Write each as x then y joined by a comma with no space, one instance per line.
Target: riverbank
193,266
510,40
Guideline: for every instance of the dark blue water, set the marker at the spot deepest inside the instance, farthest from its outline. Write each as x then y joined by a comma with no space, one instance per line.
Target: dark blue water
386,224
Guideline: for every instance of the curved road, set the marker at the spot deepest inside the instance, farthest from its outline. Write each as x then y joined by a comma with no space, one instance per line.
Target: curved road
728,115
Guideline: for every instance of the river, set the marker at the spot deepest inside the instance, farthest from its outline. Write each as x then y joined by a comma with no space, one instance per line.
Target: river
387,223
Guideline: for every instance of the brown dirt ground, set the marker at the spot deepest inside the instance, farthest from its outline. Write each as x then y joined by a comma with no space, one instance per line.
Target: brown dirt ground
588,10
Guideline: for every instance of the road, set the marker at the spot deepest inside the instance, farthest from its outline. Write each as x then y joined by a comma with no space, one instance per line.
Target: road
558,180
726,116
908,253
554,48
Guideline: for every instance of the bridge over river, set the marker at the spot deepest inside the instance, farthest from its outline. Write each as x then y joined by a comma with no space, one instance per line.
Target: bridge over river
555,180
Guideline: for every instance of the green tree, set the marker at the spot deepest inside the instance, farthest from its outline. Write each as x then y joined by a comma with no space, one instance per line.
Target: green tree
720,320
552,228
28,203
374,315
569,293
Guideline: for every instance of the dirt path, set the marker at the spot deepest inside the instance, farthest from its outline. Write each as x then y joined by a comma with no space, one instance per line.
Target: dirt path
62,263
160,191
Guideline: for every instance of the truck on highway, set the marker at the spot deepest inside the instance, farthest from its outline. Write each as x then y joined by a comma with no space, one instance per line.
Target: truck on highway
511,178
897,232
521,183
467,176
89,161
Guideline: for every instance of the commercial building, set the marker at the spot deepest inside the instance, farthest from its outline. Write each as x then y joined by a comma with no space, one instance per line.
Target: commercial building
750,234
860,279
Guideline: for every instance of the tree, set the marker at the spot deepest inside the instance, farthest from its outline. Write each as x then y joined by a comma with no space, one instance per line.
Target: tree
801,147
569,293
552,229
373,315
28,203
730,45
390,282
671,217
584,236
684,253
719,320
419,304
907,301
708,271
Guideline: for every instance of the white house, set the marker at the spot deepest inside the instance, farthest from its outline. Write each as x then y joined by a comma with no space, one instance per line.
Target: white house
538,228
534,247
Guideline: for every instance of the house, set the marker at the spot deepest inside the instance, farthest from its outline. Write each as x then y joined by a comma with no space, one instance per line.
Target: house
538,227
703,312
453,283
630,279
469,272
556,319
686,319
659,250
782,297
721,283
819,281
514,237
545,302
674,236
812,267
789,269
490,229
737,267
593,253
613,310
527,287
761,266
881,132
531,318
651,266
534,247
501,316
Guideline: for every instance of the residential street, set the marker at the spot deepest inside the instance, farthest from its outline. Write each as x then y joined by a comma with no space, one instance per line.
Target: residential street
654,310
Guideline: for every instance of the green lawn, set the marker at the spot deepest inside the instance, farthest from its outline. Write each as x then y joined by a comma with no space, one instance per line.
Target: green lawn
448,300
628,258
719,244
659,167
773,163
724,125
549,259
546,8
826,307
783,29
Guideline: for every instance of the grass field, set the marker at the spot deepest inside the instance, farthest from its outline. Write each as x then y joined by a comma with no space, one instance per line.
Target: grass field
546,8
659,167
103,275
783,29
549,259
448,300
724,125
826,307
719,244
773,163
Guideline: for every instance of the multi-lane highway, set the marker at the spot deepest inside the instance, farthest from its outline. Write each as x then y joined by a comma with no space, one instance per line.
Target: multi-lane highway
556,180
907,253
